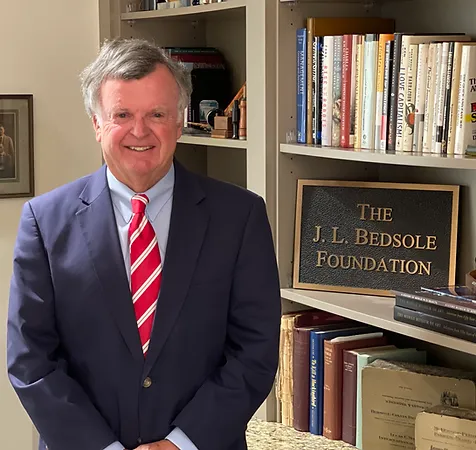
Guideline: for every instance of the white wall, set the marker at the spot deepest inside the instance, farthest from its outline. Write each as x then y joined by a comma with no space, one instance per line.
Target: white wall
45,44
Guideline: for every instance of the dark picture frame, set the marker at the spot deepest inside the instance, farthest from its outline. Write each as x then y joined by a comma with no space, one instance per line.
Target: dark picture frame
17,178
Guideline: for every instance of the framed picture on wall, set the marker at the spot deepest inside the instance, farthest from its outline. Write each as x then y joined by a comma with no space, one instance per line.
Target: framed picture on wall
16,146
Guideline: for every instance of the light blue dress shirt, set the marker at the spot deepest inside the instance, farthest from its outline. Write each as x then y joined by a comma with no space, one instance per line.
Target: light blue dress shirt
158,213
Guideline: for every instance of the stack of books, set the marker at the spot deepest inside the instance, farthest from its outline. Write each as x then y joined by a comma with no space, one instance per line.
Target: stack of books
450,310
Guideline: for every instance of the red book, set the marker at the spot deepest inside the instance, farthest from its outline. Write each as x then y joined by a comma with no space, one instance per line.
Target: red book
303,324
333,367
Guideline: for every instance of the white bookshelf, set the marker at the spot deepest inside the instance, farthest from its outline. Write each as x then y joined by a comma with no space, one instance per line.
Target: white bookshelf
209,11
373,310
242,30
213,142
381,157
299,161
258,38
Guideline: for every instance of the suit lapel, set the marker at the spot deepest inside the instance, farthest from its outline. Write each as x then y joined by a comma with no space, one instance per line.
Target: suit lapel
188,224
100,233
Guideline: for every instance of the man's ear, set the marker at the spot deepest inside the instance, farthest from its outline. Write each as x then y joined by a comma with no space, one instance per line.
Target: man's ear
97,127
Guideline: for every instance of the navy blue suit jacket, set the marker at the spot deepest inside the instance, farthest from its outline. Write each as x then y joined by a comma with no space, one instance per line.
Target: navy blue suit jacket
74,354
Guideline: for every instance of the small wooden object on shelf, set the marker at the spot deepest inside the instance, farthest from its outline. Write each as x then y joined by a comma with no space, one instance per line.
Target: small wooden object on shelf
222,127
242,125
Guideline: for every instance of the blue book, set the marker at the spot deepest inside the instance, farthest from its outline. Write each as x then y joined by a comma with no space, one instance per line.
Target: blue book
301,88
316,363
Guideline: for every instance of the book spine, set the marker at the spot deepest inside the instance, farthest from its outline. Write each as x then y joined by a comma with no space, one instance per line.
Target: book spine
337,91
320,62
410,95
313,405
405,53
386,93
453,105
346,91
469,117
330,385
447,99
310,81
429,104
462,100
422,79
359,73
349,397
301,98
393,104
327,90
440,99
313,99
300,393
433,323
381,57
369,91
353,90
434,99
436,310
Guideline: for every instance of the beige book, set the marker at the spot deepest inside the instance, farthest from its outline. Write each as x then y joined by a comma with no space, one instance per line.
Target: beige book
465,134
359,71
446,427
453,109
393,393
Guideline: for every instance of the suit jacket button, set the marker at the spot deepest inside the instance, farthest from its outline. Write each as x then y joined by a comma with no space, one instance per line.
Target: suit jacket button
147,382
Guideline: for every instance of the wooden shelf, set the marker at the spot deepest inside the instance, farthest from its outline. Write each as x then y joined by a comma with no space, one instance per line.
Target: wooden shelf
185,12
372,310
212,142
380,157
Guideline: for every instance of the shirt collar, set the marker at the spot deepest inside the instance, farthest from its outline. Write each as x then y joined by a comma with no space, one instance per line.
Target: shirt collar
158,195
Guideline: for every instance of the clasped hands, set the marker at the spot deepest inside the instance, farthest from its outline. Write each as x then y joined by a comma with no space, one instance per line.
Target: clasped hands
160,445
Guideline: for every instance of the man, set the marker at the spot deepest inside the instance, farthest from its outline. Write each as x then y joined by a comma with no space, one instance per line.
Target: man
7,155
105,349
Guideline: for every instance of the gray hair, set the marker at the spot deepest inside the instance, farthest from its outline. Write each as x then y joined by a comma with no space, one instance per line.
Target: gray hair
129,59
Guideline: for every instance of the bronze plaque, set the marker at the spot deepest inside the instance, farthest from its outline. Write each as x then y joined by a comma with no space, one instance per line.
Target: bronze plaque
372,238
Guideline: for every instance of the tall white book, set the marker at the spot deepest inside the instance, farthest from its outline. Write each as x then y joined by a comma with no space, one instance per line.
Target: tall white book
369,90
466,120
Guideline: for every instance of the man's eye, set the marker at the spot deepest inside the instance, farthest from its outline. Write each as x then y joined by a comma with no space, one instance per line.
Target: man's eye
122,115
158,115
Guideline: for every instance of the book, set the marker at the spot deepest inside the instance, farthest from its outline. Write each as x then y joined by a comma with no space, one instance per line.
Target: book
393,393
316,392
333,353
366,357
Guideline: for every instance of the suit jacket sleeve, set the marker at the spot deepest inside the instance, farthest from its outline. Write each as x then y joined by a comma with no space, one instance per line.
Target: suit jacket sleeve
217,415
57,405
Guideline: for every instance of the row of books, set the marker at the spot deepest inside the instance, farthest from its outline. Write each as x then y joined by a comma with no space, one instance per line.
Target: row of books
362,85
151,5
450,310
321,386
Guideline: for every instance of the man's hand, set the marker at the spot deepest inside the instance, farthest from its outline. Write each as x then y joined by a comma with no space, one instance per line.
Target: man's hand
160,445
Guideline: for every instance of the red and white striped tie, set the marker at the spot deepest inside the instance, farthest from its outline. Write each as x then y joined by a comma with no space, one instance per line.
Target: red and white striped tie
146,269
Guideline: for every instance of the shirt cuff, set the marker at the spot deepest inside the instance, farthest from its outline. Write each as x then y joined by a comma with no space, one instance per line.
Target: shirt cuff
180,439
115,446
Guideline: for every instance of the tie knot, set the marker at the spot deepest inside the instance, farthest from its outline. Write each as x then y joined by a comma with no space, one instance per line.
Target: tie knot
139,202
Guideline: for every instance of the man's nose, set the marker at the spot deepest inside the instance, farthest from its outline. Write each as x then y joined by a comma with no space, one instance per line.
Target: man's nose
140,128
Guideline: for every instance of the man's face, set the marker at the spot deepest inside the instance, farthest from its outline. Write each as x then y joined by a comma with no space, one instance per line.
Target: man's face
2,131
139,127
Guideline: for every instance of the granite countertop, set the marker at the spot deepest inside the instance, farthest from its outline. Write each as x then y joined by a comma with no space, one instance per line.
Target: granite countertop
263,435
